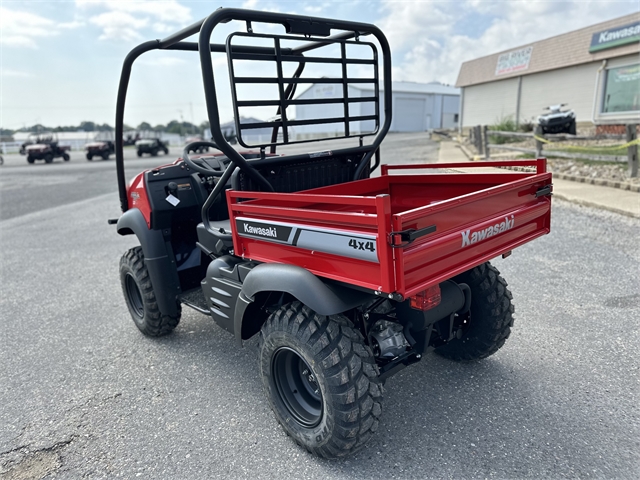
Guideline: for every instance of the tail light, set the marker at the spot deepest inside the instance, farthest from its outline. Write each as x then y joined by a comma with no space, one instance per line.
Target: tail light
427,299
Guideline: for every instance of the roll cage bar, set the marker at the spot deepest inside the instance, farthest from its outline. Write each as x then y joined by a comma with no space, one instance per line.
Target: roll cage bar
316,33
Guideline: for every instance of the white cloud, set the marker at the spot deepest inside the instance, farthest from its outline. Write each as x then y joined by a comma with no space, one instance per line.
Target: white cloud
166,10
124,19
427,44
250,4
22,29
165,61
5,72
118,25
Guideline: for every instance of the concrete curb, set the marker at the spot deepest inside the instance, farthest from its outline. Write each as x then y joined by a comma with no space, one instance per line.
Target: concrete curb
600,181
599,206
603,182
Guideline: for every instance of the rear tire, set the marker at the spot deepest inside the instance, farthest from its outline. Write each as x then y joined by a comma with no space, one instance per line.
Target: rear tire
140,297
572,127
139,153
490,319
48,158
105,155
321,380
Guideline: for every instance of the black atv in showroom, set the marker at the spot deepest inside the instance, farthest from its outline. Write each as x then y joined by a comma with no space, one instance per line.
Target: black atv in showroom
558,120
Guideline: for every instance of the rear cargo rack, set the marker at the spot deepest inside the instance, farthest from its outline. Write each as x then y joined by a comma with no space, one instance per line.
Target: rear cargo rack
287,86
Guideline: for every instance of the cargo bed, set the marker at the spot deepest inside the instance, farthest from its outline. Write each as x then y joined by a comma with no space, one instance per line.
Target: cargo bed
396,234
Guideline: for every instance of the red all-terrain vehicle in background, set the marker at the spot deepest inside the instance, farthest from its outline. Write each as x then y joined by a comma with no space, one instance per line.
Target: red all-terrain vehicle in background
45,146
346,278
102,146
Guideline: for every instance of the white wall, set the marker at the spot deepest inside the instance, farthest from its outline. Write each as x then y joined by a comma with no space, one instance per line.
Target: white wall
488,103
573,86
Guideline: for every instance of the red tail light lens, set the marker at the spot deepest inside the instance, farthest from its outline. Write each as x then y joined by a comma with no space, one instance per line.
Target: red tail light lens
427,299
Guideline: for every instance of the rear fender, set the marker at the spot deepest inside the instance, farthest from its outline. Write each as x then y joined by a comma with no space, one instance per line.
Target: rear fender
322,297
158,257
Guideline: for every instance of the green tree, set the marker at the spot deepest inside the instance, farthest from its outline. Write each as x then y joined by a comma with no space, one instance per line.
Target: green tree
87,126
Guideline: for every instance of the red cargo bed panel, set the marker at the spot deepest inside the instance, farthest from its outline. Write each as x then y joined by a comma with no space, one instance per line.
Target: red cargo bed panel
396,234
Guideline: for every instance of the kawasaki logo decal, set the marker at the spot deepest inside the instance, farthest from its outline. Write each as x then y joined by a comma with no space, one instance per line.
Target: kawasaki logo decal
337,242
469,237
249,228
263,232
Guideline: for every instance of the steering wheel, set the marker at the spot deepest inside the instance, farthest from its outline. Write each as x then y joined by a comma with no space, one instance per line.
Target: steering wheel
201,167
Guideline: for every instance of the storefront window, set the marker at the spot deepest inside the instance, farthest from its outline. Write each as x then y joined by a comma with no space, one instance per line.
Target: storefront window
622,89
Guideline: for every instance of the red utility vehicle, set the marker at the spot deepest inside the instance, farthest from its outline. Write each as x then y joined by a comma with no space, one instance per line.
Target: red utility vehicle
346,278
45,146
102,146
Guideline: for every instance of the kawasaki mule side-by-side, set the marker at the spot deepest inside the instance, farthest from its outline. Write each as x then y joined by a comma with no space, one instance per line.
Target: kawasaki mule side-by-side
45,147
346,278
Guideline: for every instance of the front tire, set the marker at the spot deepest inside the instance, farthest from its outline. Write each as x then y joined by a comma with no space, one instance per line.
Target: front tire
321,380
48,158
105,155
140,297
490,317
139,153
66,157
30,159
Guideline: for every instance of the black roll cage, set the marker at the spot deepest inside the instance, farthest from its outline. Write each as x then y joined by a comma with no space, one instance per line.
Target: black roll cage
294,24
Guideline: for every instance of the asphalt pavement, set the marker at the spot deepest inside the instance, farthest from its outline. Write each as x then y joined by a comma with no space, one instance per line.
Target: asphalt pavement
85,394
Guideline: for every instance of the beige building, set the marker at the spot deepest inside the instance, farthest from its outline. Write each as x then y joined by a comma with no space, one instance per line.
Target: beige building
594,70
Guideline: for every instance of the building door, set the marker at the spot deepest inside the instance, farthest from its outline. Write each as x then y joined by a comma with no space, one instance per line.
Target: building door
409,115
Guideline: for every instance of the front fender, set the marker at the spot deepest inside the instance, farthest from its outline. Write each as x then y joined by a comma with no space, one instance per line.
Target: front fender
321,296
158,258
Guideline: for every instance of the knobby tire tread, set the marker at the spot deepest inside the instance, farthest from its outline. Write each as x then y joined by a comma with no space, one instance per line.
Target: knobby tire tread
155,324
492,310
350,371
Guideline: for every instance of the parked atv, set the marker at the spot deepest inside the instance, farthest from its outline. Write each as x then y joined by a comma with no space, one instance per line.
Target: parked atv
346,278
99,149
23,147
151,146
558,120
45,147
130,138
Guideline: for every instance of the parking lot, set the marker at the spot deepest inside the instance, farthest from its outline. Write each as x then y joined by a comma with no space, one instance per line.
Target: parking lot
85,394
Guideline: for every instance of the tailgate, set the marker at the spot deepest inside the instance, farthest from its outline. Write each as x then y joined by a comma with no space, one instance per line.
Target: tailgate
457,234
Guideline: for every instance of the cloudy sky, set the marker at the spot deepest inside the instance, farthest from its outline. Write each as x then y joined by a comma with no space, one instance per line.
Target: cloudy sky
60,60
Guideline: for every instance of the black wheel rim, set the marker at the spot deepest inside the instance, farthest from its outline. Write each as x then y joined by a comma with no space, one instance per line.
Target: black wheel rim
296,388
134,296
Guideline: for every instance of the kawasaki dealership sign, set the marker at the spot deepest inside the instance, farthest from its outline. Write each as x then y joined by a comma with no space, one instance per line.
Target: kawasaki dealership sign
615,37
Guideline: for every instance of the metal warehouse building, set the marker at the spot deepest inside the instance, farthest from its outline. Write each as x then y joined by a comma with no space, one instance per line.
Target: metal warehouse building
595,70
417,107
